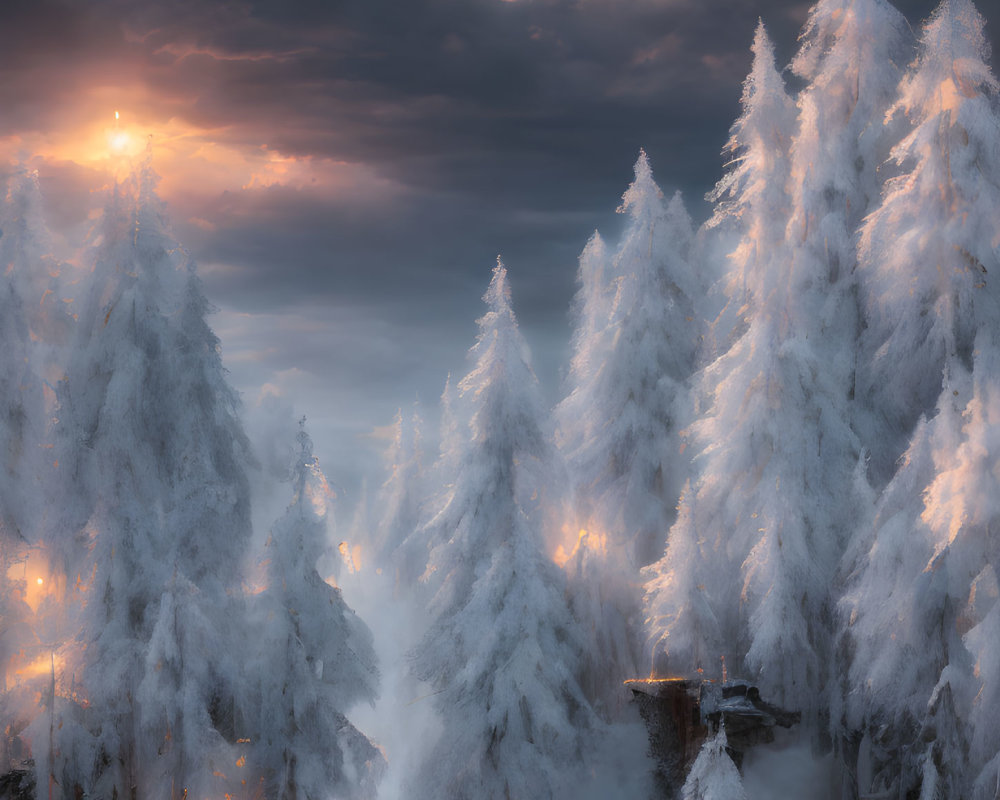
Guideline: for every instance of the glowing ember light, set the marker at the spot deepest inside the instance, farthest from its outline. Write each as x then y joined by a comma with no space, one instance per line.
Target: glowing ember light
116,116
39,581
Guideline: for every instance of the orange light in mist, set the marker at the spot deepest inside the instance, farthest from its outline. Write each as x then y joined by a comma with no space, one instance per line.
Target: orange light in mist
591,540
34,572
43,665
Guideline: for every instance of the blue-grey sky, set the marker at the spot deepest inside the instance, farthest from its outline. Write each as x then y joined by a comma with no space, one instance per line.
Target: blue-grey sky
345,173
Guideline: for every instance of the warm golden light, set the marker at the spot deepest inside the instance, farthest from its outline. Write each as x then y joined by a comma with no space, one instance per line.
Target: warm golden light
351,555
43,665
118,142
121,144
585,539
34,572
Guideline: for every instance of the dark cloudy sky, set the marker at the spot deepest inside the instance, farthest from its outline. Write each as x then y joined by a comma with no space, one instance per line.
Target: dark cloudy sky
345,173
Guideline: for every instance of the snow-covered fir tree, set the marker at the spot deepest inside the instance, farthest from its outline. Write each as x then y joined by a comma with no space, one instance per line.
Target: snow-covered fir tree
26,255
927,585
860,293
983,641
26,471
754,192
28,317
633,352
409,560
401,496
503,647
934,320
590,313
713,775
760,531
313,660
851,55
156,455
601,590
927,251
896,607
694,621
619,426
16,637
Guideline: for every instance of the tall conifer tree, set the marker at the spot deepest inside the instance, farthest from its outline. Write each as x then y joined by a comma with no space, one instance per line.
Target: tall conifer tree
928,250
314,660
503,647
157,455
620,425
931,352
757,537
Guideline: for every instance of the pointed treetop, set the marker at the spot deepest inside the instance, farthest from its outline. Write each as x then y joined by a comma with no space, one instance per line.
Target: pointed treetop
593,261
643,196
405,434
305,460
148,179
501,353
22,189
955,49
498,326
762,47
953,65
305,442
22,226
448,394
310,483
758,139
713,775
764,74
815,38
140,180
595,247
679,222
955,29
135,224
497,297
832,22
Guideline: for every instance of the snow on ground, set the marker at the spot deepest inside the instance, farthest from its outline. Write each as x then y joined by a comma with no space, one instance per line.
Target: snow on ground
402,722
621,768
788,770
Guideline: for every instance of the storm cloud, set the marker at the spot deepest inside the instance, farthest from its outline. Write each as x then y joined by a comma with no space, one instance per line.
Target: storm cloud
345,173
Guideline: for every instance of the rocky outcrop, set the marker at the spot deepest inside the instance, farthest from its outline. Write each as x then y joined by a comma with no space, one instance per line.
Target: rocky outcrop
680,714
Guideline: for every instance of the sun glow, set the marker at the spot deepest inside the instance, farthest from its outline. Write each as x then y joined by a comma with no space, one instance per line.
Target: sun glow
196,163
120,142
